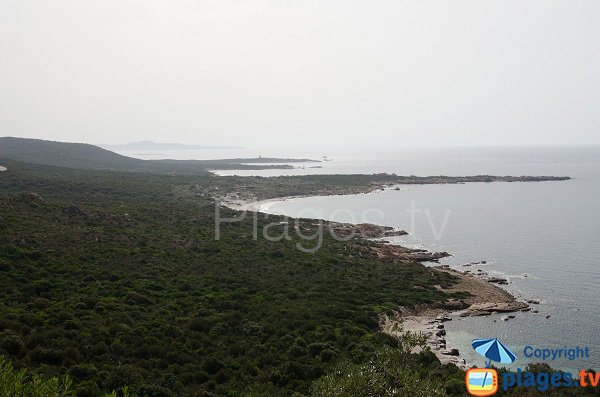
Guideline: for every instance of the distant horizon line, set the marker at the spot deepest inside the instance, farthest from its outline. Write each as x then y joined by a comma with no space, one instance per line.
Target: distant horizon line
363,146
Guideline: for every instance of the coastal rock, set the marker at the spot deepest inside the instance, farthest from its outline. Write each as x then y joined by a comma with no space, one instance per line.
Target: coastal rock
484,309
533,302
451,352
475,263
397,252
425,256
365,230
485,299
451,305
497,280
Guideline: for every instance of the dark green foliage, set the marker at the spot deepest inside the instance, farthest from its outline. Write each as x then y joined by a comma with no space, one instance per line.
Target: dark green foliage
389,373
11,342
19,384
116,279
392,372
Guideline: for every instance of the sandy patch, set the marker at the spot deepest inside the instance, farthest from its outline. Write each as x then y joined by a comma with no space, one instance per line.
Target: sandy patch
249,205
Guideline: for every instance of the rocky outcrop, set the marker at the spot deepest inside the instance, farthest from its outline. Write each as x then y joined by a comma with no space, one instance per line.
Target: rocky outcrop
397,252
365,230
451,305
497,280
383,249
451,352
485,309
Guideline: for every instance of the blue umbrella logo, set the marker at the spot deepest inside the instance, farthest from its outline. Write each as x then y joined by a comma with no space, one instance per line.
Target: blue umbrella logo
493,350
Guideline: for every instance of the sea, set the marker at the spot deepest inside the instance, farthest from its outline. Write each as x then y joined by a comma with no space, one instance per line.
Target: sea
543,237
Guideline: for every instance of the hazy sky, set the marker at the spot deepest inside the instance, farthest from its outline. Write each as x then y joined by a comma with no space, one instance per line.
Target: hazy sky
303,72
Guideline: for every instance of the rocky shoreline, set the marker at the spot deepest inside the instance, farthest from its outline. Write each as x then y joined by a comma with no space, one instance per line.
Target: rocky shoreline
378,247
401,253
381,249
486,298
257,190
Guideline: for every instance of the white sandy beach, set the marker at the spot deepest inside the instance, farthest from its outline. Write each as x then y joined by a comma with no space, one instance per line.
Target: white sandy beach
251,205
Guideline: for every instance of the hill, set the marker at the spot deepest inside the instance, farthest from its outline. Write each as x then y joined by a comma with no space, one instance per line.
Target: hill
85,156
64,154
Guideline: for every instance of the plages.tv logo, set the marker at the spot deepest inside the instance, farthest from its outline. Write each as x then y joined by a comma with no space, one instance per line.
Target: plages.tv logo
483,382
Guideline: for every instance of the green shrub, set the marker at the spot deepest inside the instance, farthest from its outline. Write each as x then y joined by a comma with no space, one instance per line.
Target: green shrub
19,384
11,342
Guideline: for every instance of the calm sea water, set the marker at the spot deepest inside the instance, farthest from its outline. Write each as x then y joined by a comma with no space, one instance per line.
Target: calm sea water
543,237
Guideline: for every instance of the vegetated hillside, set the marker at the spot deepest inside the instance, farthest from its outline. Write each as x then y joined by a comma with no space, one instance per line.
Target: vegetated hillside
63,154
85,156
116,280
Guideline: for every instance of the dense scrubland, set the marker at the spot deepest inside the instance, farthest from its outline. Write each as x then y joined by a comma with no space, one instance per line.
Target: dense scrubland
116,280
111,279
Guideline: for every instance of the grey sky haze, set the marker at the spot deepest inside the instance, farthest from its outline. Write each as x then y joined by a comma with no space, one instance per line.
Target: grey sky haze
308,72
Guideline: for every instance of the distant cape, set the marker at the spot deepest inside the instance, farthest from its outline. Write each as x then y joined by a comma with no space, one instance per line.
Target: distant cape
149,145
